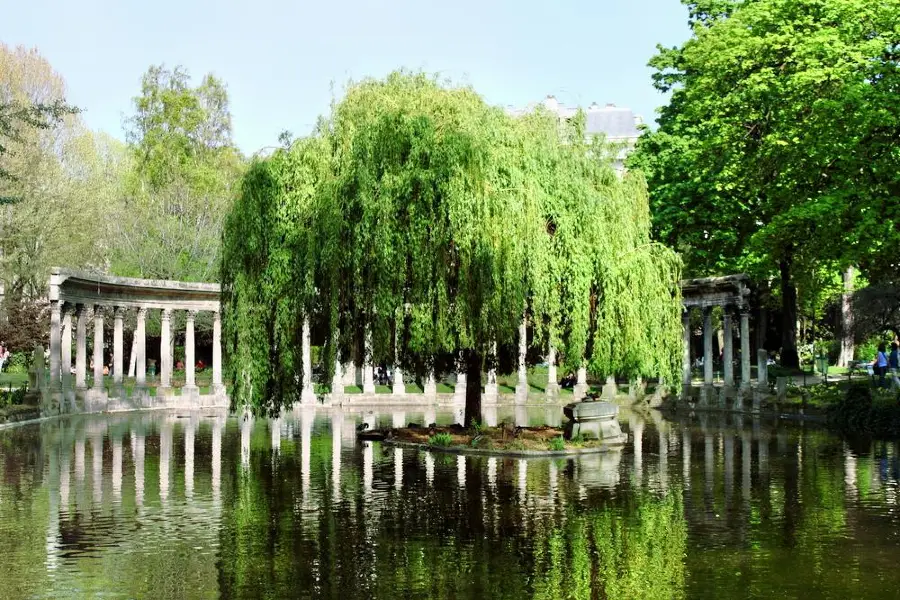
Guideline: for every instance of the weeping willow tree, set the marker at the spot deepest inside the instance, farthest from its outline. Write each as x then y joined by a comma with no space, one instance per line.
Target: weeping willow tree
420,217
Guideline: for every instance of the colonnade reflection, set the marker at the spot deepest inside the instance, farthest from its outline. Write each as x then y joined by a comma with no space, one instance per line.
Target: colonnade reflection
731,475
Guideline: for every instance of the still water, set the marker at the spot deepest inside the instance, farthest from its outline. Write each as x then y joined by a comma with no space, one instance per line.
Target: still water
202,506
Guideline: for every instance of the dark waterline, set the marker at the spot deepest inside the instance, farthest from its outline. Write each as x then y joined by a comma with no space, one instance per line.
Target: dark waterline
204,506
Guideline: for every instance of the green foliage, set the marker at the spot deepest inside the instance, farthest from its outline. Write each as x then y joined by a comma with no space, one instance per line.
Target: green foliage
777,150
419,195
15,115
440,439
14,397
17,363
557,444
867,350
476,427
867,410
180,181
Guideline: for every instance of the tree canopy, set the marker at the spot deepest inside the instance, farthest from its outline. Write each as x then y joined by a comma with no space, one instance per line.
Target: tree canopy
180,179
779,140
421,214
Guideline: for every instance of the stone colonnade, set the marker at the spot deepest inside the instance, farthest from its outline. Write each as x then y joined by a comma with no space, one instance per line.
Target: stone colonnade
77,299
362,375
731,293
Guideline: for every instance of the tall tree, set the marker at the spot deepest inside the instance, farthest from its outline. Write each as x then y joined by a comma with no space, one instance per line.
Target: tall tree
60,175
776,141
183,170
421,215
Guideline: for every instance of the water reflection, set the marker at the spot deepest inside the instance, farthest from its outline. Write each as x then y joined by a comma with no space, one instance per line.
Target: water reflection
295,506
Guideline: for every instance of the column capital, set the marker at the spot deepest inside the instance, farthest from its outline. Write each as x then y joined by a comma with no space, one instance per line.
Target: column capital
67,308
166,314
80,309
99,309
119,312
190,314
142,312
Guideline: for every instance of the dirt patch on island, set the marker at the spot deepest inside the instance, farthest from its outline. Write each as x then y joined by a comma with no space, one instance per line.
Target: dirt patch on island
504,438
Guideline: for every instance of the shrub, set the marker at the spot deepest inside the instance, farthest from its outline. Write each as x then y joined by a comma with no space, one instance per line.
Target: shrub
18,363
867,350
440,439
557,444
477,427
867,411
12,397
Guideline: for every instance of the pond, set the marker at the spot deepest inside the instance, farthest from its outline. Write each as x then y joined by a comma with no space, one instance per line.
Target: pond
164,505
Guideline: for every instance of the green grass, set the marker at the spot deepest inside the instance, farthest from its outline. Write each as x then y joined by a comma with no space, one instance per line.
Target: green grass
13,380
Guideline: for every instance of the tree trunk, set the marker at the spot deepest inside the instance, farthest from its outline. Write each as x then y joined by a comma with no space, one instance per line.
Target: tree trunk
473,387
846,321
789,357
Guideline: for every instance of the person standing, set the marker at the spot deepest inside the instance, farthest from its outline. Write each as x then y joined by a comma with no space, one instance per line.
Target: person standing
894,364
4,354
880,364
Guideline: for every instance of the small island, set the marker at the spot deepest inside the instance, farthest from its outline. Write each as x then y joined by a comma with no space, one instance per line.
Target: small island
592,427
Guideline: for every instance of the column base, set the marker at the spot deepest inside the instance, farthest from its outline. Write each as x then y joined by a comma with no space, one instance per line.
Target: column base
707,396
459,393
307,396
190,396
552,390
491,393
637,390
522,392
726,393
430,389
368,388
580,390
398,389
610,389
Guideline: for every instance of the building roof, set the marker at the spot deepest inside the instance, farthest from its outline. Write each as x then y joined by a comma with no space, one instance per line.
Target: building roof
615,122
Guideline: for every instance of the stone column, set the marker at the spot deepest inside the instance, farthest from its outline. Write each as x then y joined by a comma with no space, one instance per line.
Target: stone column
430,386
140,363
522,383
707,347
165,348
307,395
762,366
218,388
490,386
190,359
118,357
686,356
728,349
459,391
581,386
552,378
368,383
398,387
80,347
66,345
745,347
55,349
337,381
98,348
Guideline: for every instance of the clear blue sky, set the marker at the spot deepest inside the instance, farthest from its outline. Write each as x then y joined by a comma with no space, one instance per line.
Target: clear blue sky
280,58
